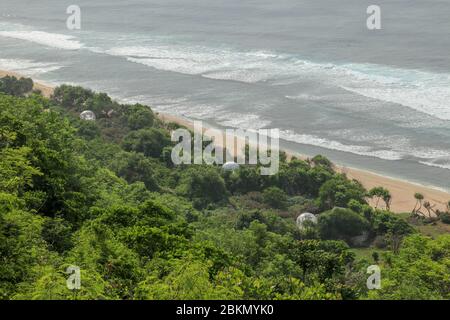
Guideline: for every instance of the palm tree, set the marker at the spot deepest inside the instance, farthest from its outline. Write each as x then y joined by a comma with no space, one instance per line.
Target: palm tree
430,208
419,198
381,193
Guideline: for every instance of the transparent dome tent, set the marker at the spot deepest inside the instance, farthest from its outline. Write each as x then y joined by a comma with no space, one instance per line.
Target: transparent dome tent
304,218
87,115
230,166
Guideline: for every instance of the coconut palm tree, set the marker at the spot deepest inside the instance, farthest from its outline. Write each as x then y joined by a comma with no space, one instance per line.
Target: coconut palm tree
430,208
419,198
381,193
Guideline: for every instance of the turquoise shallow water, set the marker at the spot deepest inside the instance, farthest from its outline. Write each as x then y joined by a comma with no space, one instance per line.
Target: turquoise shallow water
376,100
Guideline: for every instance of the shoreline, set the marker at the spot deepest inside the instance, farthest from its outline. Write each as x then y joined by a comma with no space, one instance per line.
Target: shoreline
402,191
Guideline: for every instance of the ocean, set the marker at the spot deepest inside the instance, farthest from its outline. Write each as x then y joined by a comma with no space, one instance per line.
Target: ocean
377,100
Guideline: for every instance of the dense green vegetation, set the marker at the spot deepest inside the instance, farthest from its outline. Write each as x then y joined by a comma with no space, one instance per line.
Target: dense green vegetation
103,195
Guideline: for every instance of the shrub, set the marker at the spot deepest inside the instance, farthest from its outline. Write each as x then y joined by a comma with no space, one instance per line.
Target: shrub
275,197
342,224
15,87
445,218
139,117
338,192
150,142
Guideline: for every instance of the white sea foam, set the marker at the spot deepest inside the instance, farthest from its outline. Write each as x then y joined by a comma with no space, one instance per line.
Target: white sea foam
304,96
425,92
28,67
431,101
338,146
242,120
217,113
442,162
219,64
399,144
54,40
422,91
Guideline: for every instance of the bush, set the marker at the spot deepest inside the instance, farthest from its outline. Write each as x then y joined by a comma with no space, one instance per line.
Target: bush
150,142
445,218
342,224
15,87
134,167
203,185
72,97
88,130
385,222
275,197
139,117
338,192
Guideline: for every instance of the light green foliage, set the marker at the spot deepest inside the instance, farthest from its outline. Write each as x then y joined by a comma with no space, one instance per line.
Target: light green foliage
421,270
16,172
104,196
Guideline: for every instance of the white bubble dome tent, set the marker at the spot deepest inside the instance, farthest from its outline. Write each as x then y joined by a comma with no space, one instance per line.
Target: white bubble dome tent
304,217
87,115
230,166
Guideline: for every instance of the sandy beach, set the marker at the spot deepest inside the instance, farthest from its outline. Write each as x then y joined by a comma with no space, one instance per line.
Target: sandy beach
402,191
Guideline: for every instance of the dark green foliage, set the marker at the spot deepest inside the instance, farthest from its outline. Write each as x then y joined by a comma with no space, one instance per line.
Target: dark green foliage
105,196
386,222
339,191
88,130
342,224
445,218
72,97
135,167
203,185
15,87
139,117
275,197
150,142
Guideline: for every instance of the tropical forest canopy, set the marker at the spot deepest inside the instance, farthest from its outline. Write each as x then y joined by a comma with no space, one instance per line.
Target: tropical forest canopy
104,195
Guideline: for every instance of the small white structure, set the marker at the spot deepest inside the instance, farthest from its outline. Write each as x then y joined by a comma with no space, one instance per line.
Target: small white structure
230,166
304,217
87,115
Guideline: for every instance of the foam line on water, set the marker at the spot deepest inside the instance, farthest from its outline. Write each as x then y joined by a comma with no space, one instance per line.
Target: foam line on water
28,67
423,91
54,40
48,39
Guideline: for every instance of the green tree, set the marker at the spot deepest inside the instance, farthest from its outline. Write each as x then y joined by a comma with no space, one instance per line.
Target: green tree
16,87
203,185
139,117
338,192
275,197
342,224
150,142
381,193
418,271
